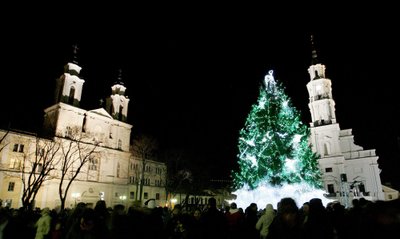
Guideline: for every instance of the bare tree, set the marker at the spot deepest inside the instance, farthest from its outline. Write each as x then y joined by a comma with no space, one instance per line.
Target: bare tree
36,168
144,147
76,152
32,165
136,172
173,159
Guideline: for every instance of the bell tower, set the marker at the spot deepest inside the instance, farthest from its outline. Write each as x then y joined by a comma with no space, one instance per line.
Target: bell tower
69,85
322,105
117,103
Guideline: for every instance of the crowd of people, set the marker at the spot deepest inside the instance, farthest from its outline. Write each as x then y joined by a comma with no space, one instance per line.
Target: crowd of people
364,219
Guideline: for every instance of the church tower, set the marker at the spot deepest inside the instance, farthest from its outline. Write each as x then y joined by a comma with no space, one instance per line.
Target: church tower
117,103
324,129
69,85
348,171
65,113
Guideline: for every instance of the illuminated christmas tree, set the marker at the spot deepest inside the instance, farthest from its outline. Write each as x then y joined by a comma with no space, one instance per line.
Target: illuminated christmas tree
273,145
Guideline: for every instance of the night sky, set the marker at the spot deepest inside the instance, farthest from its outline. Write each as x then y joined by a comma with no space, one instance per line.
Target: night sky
193,73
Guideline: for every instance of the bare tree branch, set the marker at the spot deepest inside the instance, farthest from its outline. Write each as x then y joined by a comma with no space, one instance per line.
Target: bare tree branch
144,147
37,168
75,154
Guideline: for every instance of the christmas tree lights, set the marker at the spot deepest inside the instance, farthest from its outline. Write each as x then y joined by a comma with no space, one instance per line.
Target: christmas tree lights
274,149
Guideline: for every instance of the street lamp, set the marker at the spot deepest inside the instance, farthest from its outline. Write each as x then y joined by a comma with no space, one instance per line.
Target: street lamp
173,202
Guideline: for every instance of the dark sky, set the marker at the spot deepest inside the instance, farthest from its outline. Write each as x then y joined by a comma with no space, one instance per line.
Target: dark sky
192,73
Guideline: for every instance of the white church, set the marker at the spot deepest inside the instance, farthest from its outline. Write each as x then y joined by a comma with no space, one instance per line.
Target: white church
112,172
348,170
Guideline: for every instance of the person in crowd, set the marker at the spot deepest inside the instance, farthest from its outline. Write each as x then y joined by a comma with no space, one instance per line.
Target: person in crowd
73,220
119,223
8,226
287,223
213,221
194,224
43,224
89,227
318,224
235,222
103,214
265,220
304,211
177,227
250,221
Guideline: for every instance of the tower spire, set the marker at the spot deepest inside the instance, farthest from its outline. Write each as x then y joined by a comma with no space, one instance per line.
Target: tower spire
75,53
314,56
119,77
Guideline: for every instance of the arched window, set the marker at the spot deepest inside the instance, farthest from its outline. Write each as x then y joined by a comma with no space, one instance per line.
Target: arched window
93,163
84,124
327,149
120,112
71,95
119,144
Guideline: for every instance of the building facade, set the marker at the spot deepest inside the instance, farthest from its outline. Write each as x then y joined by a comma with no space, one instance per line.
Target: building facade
348,170
90,148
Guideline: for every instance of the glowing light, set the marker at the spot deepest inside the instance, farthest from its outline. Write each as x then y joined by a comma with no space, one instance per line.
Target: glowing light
101,195
269,78
290,164
265,194
252,159
250,142
264,139
75,195
296,138
261,103
282,135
